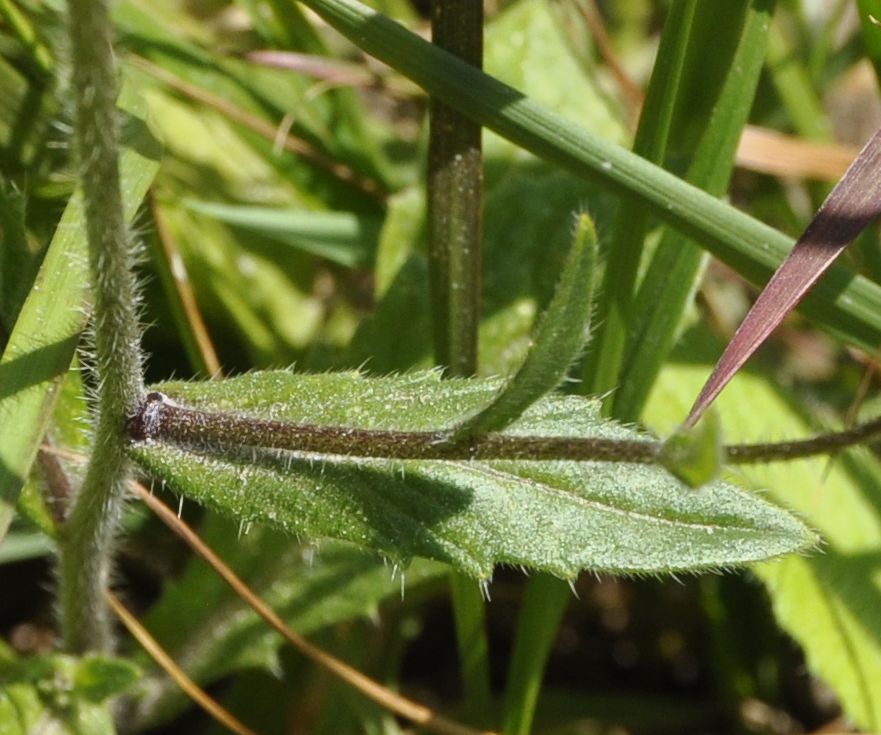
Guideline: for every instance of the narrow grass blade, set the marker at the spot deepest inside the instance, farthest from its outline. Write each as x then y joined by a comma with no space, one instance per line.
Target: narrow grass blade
20,546
18,261
543,606
559,339
603,362
853,204
672,275
345,238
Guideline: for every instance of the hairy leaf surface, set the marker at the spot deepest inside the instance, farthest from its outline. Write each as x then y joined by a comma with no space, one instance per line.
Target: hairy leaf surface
556,516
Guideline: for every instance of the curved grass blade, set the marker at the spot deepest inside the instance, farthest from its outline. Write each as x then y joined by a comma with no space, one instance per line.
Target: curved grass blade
555,516
850,207
559,339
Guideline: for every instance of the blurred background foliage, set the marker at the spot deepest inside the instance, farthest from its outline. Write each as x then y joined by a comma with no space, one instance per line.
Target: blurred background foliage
286,227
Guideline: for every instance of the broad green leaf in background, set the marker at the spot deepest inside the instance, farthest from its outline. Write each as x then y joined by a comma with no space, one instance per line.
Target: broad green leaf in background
526,49
529,203
560,517
828,601
48,328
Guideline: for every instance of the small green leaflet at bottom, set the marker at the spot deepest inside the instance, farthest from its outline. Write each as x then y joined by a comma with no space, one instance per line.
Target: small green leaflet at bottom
60,694
561,517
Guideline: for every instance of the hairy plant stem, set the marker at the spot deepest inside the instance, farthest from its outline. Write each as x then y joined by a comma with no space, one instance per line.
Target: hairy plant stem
86,542
160,419
455,198
455,225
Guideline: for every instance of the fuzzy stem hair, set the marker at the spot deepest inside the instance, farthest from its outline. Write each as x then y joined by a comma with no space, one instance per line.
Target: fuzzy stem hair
86,548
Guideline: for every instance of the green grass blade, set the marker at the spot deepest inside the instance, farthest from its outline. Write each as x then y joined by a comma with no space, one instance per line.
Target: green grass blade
38,55
469,613
793,85
48,328
848,304
603,361
348,239
871,35
20,546
671,277
18,261
544,603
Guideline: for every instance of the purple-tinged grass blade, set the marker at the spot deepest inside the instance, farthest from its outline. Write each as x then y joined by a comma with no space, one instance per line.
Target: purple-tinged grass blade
850,207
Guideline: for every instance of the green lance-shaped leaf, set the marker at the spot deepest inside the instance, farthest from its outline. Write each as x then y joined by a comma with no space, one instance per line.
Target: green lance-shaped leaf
556,516
559,339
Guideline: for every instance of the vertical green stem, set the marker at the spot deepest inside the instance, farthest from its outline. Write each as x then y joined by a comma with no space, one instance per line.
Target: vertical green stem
470,617
455,194
87,535
455,209
544,603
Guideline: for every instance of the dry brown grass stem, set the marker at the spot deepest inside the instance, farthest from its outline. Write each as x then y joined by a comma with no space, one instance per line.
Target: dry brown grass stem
399,705
156,652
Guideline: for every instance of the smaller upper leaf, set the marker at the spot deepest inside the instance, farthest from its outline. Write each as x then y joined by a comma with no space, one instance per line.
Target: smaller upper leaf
556,516
559,339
